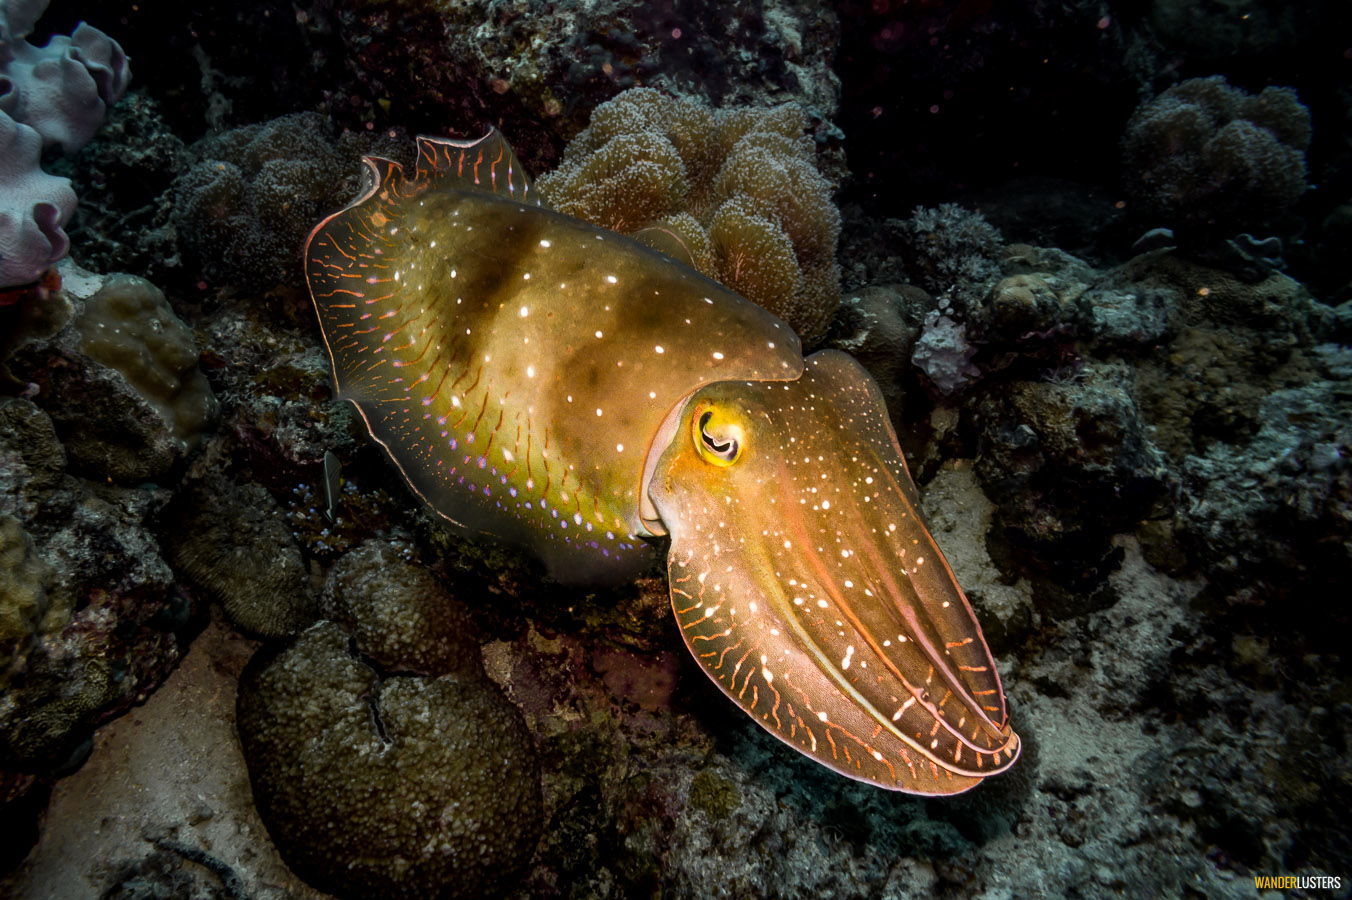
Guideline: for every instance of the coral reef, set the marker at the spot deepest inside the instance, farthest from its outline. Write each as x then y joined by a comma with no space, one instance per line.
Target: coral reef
93,618
121,381
387,785
50,96
232,541
528,64
735,192
27,608
1138,469
243,209
397,613
1207,156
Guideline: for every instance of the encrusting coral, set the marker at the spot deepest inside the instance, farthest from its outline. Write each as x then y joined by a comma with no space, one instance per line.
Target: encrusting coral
1208,156
129,326
734,192
28,604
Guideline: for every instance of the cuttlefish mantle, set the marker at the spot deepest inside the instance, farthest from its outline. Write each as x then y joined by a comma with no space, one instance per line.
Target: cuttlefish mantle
565,387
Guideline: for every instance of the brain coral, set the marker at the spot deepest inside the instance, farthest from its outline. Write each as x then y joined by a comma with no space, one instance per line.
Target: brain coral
398,614
1210,157
737,192
389,787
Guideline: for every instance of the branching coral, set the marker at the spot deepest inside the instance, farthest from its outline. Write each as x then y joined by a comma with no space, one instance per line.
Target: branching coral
1208,156
735,192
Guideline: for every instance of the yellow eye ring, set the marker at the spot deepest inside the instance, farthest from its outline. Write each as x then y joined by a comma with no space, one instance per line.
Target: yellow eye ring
719,437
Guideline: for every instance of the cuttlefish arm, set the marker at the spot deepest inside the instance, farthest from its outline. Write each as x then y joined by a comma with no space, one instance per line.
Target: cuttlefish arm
808,588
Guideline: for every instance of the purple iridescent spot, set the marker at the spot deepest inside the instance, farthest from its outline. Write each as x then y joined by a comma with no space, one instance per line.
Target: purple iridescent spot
487,492
454,443
482,462
501,480
512,491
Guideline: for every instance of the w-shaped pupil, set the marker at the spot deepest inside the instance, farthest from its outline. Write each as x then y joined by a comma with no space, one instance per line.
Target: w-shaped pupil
722,448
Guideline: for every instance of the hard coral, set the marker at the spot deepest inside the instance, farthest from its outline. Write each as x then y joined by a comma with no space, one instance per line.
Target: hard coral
129,326
741,182
244,209
393,787
1207,156
232,541
397,613
120,379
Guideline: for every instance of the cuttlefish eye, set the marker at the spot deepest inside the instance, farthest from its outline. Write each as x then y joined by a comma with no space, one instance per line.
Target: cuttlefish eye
719,435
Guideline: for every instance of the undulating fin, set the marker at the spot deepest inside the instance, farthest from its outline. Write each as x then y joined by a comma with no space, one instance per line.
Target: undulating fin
667,241
807,586
486,164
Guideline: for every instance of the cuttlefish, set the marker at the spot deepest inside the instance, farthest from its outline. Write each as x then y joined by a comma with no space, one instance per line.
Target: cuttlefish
565,387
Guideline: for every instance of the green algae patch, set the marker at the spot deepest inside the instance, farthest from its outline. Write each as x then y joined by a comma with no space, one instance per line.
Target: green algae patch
714,794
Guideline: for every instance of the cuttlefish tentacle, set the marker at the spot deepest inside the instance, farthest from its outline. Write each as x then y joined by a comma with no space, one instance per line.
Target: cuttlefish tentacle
562,386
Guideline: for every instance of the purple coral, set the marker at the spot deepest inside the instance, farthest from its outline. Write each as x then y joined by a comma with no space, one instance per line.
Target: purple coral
33,207
55,95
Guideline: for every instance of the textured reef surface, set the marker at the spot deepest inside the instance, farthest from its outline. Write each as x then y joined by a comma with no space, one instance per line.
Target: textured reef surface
1094,254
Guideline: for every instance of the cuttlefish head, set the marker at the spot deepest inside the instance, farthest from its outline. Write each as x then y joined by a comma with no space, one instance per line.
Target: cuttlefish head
809,589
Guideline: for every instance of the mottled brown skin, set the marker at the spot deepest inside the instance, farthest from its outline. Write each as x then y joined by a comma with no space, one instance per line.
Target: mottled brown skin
568,388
